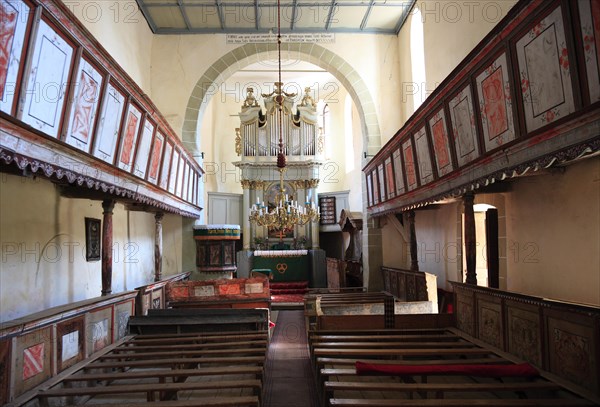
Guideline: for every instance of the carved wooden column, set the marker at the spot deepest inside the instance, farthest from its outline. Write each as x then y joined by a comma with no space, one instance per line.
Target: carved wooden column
311,187
245,214
158,246
470,239
414,259
107,245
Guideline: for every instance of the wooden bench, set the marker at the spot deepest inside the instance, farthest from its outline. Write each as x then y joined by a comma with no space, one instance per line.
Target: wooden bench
162,374
215,368
336,349
339,402
153,390
239,401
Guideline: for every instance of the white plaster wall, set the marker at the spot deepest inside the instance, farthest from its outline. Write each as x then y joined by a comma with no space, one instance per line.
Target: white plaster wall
437,246
123,31
553,234
178,62
451,29
43,248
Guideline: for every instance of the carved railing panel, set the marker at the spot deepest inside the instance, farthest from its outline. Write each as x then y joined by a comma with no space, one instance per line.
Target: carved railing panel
525,98
562,338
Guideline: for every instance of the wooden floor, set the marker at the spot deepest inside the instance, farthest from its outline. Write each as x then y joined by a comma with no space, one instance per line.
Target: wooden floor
289,380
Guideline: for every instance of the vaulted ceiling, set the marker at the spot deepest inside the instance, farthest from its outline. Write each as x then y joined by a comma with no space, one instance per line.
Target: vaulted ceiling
260,16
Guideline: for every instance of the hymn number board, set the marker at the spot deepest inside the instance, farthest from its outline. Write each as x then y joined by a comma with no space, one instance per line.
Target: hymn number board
327,207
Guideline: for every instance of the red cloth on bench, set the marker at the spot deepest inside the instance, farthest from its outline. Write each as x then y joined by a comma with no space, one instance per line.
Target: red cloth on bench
516,370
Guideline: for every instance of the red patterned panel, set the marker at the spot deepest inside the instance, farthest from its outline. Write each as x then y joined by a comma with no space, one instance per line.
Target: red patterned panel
409,162
155,157
229,289
33,360
8,29
130,132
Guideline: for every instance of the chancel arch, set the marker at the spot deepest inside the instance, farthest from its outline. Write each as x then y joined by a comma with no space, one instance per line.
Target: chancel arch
241,57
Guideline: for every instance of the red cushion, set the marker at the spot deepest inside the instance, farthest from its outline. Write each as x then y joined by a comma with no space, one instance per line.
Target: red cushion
517,370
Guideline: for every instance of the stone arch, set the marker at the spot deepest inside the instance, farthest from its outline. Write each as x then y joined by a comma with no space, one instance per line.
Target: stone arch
247,54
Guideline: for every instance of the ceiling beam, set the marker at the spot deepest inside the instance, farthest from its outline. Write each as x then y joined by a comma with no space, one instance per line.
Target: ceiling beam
330,15
256,15
284,30
404,16
184,14
294,11
147,15
363,23
220,12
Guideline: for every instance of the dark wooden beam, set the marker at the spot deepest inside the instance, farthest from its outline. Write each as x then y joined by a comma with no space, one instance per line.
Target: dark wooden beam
107,240
414,259
158,246
470,238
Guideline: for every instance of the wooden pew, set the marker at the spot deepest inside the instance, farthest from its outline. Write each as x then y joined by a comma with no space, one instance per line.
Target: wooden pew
217,368
335,351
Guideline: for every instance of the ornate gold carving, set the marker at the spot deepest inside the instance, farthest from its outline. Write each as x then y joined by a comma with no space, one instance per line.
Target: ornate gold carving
298,184
278,91
238,141
281,268
320,143
252,184
307,99
312,183
250,99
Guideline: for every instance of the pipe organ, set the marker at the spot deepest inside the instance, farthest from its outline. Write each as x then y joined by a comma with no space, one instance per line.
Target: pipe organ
257,144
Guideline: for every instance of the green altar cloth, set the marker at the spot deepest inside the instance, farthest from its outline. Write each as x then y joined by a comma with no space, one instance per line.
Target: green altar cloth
283,268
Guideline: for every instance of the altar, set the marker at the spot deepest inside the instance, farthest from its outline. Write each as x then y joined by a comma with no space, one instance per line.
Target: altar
282,265
285,265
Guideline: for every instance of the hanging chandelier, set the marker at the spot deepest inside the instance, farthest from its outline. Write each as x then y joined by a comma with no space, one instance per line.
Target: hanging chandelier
286,213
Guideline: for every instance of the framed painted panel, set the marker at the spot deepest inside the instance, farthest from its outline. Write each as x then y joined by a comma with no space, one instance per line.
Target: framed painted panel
33,354
84,106
464,132
389,178
545,74
98,330
382,196
375,187
122,312
409,164
192,177
369,190
93,232
109,124
16,16
129,136
180,176
589,15
423,156
441,143
184,189
157,149
166,165
47,81
495,104
69,342
398,175
195,188
143,150
173,171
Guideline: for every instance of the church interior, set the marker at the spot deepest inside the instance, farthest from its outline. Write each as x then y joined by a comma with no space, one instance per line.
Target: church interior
225,203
